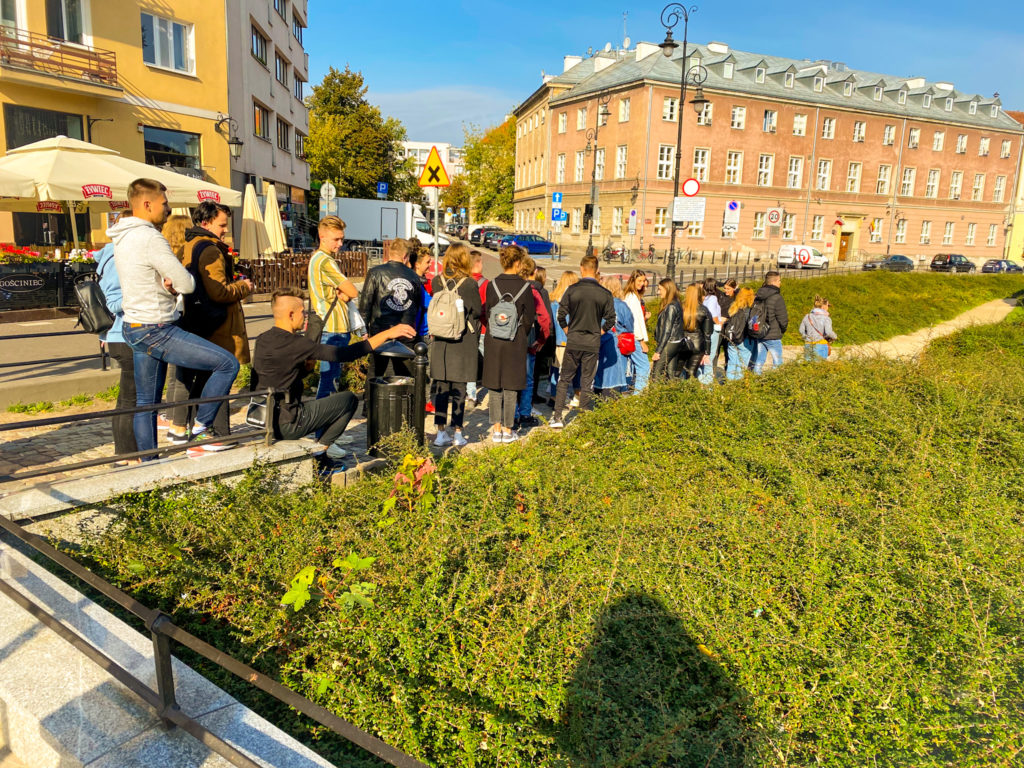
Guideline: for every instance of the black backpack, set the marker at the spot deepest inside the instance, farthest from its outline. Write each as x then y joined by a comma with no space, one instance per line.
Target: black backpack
94,315
757,320
735,328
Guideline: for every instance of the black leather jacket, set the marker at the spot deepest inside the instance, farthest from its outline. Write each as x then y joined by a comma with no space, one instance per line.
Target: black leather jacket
670,326
705,327
392,294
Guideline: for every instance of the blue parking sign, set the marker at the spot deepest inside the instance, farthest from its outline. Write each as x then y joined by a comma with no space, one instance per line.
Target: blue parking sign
382,189
462,211
556,199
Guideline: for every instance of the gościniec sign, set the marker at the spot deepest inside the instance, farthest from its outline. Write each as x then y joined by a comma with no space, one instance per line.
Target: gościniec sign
21,283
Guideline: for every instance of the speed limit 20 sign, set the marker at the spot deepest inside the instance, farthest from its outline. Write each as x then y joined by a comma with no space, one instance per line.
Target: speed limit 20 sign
774,216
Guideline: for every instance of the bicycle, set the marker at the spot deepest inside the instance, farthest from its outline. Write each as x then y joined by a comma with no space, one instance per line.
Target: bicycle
648,256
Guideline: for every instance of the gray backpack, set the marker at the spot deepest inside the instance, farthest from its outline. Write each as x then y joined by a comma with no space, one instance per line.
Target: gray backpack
445,318
503,317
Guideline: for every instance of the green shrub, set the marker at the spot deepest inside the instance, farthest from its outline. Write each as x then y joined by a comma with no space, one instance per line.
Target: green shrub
821,566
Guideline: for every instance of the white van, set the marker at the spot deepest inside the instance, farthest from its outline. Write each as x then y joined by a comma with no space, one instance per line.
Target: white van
802,257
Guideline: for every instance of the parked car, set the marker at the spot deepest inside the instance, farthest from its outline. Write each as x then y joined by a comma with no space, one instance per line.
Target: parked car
1001,265
476,235
895,263
493,239
802,257
532,243
952,262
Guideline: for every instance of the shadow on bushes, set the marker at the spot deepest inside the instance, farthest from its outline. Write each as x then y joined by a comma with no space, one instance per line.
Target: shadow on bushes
645,694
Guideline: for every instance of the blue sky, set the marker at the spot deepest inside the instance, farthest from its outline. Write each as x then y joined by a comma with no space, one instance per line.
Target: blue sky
473,61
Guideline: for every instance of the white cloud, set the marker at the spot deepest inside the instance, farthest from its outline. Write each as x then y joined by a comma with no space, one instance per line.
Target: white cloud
439,114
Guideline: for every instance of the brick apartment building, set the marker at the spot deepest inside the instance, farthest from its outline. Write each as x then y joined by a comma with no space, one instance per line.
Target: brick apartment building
861,163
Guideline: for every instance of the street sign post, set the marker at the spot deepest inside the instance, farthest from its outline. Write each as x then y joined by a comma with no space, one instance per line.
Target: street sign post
382,190
691,187
328,192
688,209
774,217
731,222
435,175
632,222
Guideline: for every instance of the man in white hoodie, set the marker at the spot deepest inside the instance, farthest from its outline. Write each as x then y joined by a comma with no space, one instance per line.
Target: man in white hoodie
152,279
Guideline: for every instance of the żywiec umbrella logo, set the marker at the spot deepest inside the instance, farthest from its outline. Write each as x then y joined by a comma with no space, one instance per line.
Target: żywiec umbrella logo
49,206
96,190
119,205
208,194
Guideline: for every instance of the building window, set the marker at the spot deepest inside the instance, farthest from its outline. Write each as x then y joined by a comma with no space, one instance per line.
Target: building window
563,120
661,221
739,118
889,136
972,108
978,189
914,138
847,89
788,226
824,179
259,46
581,119
771,121
994,112
727,70
578,169
560,168
876,230
907,185
577,217
991,235
63,20
799,125
901,98
668,109
859,130
795,174
971,230
623,110
853,178
666,161
620,161
878,93
284,135
167,44
901,231
617,220
961,144
759,220
704,116
926,232
931,187
1004,149
260,121
765,166
24,125
956,183
701,160
949,104
695,229
947,234
176,149
997,191
828,128
790,79
882,185
599,164
281,6
280,69
733,167
817,228
983,146
297,28
297,85
300,145
938,140
759,74
926,102
819,84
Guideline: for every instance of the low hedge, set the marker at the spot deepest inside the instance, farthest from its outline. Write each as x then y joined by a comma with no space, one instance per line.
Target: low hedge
821,566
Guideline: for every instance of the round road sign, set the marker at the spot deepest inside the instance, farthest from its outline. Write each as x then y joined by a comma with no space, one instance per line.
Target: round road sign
804,255
691,187
733,205
774,216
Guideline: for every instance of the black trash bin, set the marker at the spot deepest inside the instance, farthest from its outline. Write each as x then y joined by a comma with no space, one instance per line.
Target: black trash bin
391,401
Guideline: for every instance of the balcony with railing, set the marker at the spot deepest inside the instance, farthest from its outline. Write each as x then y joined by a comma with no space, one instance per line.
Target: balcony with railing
31,52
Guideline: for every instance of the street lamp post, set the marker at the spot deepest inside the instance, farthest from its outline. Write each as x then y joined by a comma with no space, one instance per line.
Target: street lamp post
602,115
671,15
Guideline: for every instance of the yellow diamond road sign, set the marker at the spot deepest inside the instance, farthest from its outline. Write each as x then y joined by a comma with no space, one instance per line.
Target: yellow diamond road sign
434,174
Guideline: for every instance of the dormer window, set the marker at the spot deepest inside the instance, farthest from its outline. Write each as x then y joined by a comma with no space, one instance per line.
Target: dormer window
759,74
927,101
902,98
847,89
949,104
995,110
727,70
790,79
694,61
878,93
819,83
972,108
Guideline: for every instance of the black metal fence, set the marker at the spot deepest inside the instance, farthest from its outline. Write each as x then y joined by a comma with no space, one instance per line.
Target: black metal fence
43,284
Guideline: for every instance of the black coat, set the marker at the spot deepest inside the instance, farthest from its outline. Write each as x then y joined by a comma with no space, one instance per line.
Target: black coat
704,327
505,361
777,315
457,360
670,326
391,295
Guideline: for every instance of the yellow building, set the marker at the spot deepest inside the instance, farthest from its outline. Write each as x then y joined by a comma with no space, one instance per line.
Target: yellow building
1015,240
144,77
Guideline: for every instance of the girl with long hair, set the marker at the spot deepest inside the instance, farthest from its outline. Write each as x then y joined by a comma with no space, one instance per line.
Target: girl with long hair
633,295
611,363
668,335
714,308
697,330
737,355
568,278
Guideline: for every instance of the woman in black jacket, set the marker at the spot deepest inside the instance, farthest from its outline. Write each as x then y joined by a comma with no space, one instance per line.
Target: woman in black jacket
697,329
453,362
668,336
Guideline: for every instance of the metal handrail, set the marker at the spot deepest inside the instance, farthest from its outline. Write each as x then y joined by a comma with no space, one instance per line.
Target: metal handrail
42,53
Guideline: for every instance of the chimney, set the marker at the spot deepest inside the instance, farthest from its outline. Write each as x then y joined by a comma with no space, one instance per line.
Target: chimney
718,47
568,62
643,50
602,62
915,82
944,86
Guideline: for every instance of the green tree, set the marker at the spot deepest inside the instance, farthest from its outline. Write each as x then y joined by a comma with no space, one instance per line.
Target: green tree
456,195
490,170
351,143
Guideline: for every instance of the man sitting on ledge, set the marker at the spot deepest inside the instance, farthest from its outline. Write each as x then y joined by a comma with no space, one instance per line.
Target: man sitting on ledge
283,358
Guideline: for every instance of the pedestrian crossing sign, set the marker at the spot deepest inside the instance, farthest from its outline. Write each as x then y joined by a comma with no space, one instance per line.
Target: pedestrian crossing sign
434,174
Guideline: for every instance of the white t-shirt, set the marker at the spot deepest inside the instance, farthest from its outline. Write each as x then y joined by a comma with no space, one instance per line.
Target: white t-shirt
639,323
714,309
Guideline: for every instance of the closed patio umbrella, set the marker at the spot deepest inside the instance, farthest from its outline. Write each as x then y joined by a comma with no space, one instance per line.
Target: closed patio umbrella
272,220
254,241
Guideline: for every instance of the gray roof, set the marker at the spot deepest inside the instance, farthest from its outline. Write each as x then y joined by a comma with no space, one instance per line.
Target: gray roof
656,67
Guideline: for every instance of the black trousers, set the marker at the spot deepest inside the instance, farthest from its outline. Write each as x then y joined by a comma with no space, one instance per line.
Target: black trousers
331,414
690,364
446,392
124,431
192,383
573,360
669,364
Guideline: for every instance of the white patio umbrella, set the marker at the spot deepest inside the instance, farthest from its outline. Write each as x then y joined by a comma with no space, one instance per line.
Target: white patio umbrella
272,221
15,185
253,241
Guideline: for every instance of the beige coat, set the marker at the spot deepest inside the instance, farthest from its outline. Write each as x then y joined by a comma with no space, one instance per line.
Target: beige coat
215,268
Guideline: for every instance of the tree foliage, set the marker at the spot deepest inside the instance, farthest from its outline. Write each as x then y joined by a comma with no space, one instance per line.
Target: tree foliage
456,195
490,170
350,142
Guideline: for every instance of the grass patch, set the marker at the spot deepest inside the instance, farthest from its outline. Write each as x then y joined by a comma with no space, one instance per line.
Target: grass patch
39,406
820,566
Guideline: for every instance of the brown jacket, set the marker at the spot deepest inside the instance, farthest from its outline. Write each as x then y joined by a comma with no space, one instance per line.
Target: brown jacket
216,270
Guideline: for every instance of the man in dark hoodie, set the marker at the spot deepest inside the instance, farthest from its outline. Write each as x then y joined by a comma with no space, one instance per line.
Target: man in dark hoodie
778,320
392,295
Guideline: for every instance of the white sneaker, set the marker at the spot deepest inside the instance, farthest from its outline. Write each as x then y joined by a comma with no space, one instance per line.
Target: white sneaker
509,437
459,440
574,403
442,439
556,424
496,437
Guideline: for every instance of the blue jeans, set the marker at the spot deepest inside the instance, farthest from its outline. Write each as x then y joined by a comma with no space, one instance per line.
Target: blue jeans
525,407
330,371
816,351
737,358
707,372
763,348
156,346
471,388
641,365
